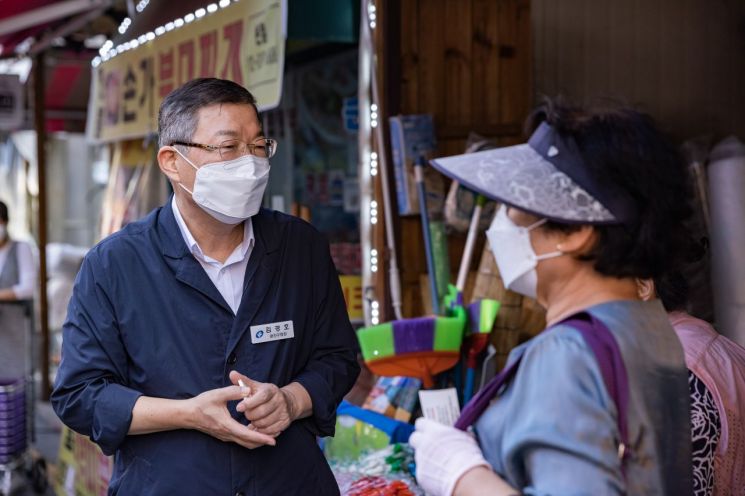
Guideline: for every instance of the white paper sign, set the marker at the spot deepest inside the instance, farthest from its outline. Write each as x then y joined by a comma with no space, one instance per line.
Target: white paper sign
440,405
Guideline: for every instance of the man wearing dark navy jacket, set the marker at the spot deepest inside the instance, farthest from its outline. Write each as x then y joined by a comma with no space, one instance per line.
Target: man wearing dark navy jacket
208,344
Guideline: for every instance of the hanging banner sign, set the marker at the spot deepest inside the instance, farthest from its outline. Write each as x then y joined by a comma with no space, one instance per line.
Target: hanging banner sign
243,42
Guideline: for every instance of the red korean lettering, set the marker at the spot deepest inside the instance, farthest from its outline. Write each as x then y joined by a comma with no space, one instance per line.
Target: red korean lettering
231,69
185,61
208,51
166,72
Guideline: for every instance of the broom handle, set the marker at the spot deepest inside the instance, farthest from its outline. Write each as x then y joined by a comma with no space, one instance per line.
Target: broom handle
465,262
419,177
468,389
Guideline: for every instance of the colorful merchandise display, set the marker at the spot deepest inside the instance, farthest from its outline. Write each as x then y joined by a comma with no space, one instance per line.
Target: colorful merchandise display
359,431
388,471
395,397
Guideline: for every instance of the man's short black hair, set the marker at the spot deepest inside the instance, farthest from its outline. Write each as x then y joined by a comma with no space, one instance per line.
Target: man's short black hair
626,147
3,212
178,114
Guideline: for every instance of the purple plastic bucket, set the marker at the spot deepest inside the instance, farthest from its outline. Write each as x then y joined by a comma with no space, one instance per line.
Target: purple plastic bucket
12,447
12,414
12,394
13,440
17,402
11,385
10,428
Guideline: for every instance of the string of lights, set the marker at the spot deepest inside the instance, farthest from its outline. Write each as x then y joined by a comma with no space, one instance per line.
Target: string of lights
109,51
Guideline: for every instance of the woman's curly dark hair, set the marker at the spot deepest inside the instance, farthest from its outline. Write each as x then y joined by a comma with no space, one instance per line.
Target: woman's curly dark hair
624,146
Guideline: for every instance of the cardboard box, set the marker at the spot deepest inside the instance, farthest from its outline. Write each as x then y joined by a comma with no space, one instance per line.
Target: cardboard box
413,136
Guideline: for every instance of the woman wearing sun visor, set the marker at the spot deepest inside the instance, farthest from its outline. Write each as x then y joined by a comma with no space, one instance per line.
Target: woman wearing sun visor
598,402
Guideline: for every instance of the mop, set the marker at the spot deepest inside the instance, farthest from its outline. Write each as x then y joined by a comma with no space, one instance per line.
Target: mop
482,314
424,347
419,347
481,317
429,251
465,263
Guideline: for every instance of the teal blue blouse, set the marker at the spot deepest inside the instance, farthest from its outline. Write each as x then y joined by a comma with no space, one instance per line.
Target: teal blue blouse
553,430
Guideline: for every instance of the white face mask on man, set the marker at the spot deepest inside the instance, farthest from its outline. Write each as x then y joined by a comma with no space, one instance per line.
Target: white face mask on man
514,254
230,191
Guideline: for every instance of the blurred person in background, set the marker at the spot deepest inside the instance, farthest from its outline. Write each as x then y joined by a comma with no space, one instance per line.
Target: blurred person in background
17,267
17,283
716,379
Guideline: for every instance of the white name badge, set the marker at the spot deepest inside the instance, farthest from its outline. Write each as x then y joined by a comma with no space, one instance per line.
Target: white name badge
272,332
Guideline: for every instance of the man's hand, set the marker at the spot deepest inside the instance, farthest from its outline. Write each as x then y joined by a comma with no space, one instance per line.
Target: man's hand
270,409
209,414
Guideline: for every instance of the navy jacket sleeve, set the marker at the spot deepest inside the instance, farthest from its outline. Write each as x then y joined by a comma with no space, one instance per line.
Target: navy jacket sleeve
90,395
333,367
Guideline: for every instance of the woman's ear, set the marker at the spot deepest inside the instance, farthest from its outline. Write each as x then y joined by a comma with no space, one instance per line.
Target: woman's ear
578,242
167,162
645,288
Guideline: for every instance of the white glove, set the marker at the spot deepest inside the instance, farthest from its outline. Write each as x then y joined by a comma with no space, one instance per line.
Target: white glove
443,454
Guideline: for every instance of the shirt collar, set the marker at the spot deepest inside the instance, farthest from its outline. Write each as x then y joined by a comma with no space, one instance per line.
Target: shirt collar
238,254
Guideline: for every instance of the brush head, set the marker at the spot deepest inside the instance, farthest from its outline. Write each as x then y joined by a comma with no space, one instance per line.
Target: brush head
482,315
425,334
419,347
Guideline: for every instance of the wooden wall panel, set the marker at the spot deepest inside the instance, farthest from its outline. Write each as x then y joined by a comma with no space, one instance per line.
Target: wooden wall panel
680,60
458,62
468,63
409,57
431,57
514,58
485,50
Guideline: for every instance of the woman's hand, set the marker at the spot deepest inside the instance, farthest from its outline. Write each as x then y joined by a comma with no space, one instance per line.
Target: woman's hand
443,454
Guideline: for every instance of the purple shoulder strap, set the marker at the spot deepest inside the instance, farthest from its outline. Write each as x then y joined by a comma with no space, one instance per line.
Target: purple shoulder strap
608,355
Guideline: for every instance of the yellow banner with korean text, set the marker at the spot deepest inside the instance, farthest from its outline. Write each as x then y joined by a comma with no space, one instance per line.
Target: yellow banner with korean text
351,286
243,42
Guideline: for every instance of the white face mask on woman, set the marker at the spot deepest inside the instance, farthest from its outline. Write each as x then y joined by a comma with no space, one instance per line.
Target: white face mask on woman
230,191
514,253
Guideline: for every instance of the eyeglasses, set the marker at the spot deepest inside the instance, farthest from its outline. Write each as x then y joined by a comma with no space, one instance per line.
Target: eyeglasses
232,149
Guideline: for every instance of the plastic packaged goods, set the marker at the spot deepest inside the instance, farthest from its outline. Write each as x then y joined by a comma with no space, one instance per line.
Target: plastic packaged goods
384,472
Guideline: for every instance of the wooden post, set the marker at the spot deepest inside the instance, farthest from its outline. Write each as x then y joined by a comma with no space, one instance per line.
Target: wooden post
386,41
41,165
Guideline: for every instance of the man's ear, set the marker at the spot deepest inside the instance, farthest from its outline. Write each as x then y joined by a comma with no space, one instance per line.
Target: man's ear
167,162
645,288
